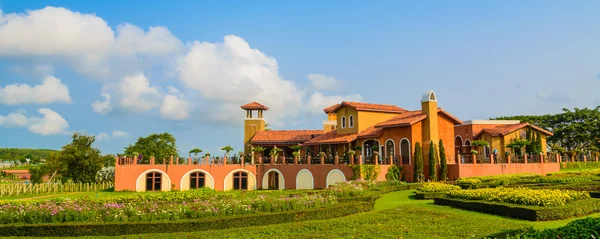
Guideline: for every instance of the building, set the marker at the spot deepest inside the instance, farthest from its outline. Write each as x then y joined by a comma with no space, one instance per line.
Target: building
379,134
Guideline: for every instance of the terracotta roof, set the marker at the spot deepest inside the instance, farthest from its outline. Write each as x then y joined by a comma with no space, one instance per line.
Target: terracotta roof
331,109
405,119
332,137
371,107
412,117
284,136
502,130
254,106
370,132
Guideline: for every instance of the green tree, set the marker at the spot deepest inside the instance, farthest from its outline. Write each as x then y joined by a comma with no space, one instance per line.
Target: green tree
81,159
517,146
36,174
161,146
195,151
432,162
108,160
418,156
227,149
443,163
258,150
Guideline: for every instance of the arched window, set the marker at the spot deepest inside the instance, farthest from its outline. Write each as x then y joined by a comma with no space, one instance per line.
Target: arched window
240,181
153,181
351,121
405,151
197,180
389,148
343,122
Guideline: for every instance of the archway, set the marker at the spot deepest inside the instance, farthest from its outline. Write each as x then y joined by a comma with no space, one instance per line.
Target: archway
273,180
458,147
390,150
335,176
239,180
405,151
368,146
153,180
305,180
195,178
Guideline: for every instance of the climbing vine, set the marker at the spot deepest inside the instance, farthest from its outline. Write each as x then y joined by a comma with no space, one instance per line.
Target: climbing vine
369,172
393,173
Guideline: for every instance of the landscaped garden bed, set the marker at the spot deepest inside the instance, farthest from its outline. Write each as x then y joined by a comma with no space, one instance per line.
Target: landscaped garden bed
523,203
582,228
433,189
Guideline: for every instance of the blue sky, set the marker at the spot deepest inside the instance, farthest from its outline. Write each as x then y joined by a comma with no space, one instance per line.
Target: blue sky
124,70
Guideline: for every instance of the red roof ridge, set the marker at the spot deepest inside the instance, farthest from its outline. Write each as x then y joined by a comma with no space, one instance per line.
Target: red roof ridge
254,106
362,106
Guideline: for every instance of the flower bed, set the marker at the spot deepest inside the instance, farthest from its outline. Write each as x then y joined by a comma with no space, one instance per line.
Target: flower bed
495,181
86,210
433,190
582,228
523,196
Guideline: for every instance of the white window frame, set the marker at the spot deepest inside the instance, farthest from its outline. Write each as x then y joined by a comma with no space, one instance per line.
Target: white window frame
343,122
351,121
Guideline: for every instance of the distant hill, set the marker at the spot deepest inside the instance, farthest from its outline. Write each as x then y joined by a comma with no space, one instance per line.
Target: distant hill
19,154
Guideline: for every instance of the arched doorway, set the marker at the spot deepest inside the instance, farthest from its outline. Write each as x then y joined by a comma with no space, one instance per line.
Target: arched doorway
240,181
458,150
273,180
405,151
197,180
390,150
153,181
369,153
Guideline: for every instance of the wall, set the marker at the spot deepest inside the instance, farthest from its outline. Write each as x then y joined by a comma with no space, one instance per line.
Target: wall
369,118
251,126
472,170
446,134
344,113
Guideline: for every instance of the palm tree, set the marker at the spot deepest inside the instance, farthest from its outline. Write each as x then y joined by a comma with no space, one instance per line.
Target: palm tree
227,149
258,150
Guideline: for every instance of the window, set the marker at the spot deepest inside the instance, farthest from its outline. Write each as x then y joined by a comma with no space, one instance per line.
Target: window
523,134
153,181
389,148
351,123
343,122
240,181
197,180
405,151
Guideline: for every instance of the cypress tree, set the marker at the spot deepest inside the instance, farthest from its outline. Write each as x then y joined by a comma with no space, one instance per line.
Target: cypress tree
432,163
538,143
418,157
443,163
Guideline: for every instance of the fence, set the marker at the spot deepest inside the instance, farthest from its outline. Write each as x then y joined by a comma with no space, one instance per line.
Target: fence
22,189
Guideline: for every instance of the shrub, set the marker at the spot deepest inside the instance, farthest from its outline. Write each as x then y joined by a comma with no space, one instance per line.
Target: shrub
443,162
567,165
116,229
524,196
393,173
582,228
419,175
495,181
432,162
531,213
438,187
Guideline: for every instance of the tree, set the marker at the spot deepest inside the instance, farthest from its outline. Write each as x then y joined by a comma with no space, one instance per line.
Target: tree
108,160
161,146
258,150
81,159
227,149
195,151
538,148
296,147
36,175
419,176
443,163
480,144
106,174
432,162
517,146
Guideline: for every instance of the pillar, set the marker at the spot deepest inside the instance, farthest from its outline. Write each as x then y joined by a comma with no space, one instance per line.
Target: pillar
152,160
351,158
295,160
283,160
336,160
525,157
308,159
190,161
541,158
584,158
391,160
360,159
491,158
272,160
376,159
508,159
171,160
474,157
260,160
224,160
322,159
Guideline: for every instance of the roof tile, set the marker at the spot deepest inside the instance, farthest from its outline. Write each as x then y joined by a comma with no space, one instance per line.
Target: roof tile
332,137
284,136
371,107
254,106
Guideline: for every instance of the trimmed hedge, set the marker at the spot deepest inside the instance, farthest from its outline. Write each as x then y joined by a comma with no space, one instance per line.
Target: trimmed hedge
578,186
595,194
531,213
580,165
423,195
582,228
116,229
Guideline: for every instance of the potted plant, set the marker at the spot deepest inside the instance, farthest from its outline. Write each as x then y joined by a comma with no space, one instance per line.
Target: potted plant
375,149
474,152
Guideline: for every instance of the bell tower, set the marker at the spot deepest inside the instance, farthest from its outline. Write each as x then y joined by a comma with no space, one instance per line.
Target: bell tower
253,122
430,124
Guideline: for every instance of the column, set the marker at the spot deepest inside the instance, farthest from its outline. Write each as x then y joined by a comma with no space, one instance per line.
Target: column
260,161
360,159
391,160
171,160
190,161
308,159
376,156
508,159
491,158
224,160
322,160
351,158
336,160
525,158
295,160
474,157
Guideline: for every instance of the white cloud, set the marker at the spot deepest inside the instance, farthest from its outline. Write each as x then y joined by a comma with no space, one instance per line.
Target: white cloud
231,74
14,120
323,82
84,41
137,95
102,107
50,91
101,137
50,124
174,108
317,101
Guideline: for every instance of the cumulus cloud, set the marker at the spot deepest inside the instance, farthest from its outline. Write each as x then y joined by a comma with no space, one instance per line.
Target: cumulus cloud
50,124
323,82
51,90
85,42
102,137
174,108
133,94
318,101
555,97
102,107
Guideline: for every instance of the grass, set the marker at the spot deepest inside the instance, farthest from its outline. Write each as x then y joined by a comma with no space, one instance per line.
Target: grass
396,215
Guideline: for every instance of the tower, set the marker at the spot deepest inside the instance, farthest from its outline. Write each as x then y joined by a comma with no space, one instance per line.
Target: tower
251,124
430,124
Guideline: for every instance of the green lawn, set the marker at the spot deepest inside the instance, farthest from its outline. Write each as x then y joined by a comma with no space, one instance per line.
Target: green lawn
396,215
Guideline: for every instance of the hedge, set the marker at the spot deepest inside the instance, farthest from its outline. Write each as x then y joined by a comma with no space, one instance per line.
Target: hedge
531,213
578,186
424,195
595,194
116,229
580,165
582,228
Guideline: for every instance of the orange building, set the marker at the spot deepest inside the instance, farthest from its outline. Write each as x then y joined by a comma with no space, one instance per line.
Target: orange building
378,134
